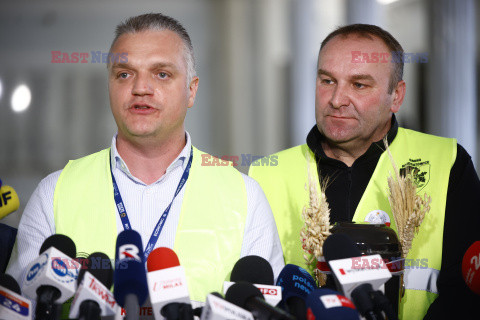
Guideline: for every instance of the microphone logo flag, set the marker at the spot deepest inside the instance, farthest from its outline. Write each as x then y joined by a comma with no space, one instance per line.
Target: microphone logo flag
35,269
129,251
349,275
272,294
13,305
335,300
61,271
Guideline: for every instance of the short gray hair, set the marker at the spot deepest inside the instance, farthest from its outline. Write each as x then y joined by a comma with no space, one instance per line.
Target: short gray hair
158,21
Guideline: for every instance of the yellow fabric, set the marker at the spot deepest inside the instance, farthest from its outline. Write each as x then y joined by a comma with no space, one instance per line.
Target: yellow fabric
285,187
83,204
210,231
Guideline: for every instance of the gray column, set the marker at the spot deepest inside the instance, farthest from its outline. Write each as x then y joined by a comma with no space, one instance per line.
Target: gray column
363,11
452,105
303,70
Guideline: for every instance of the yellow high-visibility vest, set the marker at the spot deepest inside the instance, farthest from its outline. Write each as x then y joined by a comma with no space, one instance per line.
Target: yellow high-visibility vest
431,157
210,230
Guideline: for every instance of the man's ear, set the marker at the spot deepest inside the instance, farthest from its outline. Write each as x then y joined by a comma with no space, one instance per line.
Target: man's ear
192,88
398,96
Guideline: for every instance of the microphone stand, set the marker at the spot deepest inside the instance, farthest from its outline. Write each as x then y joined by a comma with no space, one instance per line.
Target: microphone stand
383,304
363,300
132,308
46,308
177,311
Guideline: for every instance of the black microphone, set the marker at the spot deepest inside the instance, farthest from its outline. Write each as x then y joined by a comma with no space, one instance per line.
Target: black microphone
253,269
9,282
257,271
247,296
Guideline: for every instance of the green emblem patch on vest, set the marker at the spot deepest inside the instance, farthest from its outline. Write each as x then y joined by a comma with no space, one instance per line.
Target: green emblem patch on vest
420,172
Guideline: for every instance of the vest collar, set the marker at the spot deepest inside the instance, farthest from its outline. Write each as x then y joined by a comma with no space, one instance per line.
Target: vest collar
118,163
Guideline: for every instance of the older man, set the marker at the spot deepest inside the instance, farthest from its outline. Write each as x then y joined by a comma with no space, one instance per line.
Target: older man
359,88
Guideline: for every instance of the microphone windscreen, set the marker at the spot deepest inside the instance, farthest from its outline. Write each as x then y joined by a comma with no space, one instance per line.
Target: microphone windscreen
253,269
339,246
239,292
60,242
326,304
470,266
295,281
9,282
100,266
162,258
9,201
130,274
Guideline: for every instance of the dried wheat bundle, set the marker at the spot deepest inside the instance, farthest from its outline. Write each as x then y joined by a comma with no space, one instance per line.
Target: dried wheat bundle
316,219
408,208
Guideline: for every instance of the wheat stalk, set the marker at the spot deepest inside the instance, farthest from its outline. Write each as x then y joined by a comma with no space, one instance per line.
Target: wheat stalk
408,208
316,219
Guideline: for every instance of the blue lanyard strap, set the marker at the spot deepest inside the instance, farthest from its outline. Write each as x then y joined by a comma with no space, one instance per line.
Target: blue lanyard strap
161,222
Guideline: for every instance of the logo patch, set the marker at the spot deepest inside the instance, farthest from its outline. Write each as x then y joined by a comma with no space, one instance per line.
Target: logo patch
62,272
129,251
420,171
37,268
378,217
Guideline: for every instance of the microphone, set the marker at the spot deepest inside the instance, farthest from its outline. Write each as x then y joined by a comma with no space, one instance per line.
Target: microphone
471,266
93,297
358,277
247,296
12,305
9,201
50,279
253,269
257,271
296,285
327,304
130,281
167,285
217,308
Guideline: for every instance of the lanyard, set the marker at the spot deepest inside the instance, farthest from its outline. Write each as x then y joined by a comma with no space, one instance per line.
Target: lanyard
158,228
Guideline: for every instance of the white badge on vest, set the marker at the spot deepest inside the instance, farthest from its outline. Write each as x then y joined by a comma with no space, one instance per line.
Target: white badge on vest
378,217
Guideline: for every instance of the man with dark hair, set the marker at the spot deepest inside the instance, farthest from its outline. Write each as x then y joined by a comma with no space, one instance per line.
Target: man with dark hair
358,91
217,216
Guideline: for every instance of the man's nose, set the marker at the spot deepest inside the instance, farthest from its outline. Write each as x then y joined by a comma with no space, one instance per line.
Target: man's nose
142,85
340,97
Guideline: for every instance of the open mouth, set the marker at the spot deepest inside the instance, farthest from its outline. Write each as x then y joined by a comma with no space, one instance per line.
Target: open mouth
141,107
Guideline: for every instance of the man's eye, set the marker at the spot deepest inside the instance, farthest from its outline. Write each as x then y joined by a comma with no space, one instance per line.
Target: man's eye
162,75
327,81
359,85
123,75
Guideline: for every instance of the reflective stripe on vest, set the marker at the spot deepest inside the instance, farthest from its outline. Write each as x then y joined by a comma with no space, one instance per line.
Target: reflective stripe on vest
286,185
211,226
421,279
